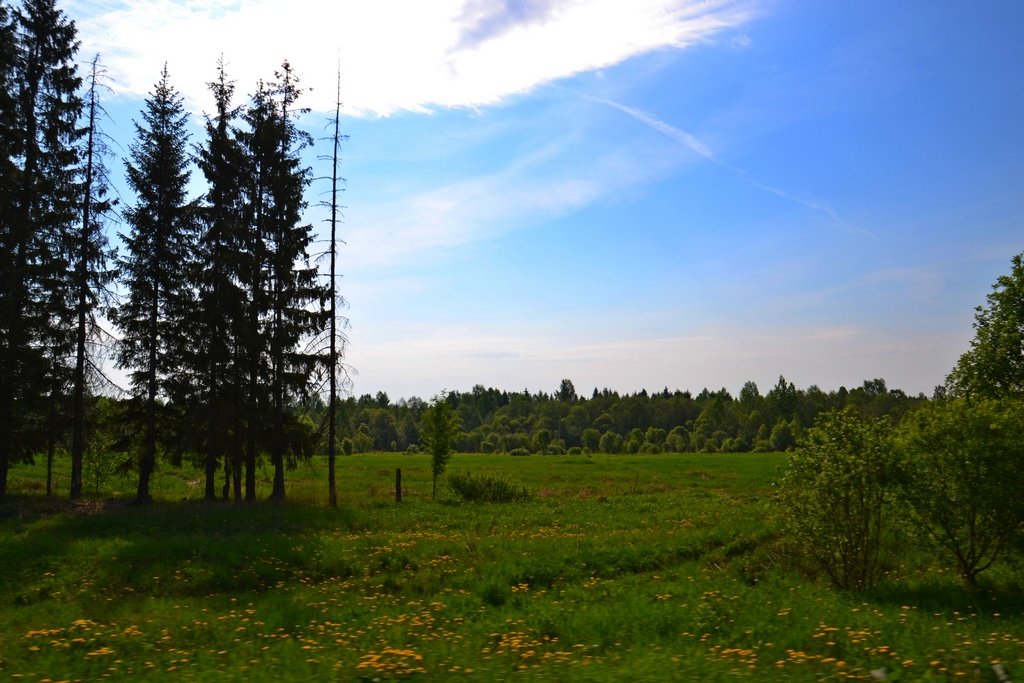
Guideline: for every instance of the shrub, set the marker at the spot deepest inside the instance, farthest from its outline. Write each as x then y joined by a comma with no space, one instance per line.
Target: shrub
100,462
486,488
963,479
519,451
541,440
575,450
610,442
839,482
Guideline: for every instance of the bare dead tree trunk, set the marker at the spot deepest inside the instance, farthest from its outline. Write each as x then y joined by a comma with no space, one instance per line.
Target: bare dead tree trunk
332,407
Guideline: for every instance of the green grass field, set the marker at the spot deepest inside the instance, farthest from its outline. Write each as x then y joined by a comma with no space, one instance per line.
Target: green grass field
656,568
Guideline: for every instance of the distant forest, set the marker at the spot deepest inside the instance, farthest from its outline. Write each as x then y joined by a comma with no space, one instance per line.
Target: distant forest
607,422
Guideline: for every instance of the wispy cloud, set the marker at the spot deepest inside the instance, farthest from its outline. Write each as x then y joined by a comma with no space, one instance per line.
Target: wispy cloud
552,180
395,54
695,145
677,134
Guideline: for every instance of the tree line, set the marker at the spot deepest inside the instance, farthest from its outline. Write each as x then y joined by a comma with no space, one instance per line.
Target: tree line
493,420
225,321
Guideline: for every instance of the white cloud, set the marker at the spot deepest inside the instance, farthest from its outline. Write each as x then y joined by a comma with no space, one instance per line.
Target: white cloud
394,54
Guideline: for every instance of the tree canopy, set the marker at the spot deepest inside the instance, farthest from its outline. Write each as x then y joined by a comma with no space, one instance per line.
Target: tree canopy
994,365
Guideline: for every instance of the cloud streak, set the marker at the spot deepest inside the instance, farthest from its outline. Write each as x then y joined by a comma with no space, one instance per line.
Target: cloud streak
696,146
396,54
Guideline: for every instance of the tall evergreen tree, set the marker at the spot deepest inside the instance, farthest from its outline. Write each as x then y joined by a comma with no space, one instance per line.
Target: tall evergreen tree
221,303
156,270
8,281
91,275
297,298
259,150
286,301
41,106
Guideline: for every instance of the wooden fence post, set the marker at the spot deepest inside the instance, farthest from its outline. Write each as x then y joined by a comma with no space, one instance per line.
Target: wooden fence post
398,485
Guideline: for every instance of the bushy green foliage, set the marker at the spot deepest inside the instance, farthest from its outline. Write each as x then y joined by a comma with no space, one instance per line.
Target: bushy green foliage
783,437
440,425
841,479
964,478
100,462
487,488
611,442
994,365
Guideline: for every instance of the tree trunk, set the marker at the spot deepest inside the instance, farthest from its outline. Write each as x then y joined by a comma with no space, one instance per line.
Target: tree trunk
49,472
250,450
82,285
276,438
213,424
236,471
211,472
148,462
332,408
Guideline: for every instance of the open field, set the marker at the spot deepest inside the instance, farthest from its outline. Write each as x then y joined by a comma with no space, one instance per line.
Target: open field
621,568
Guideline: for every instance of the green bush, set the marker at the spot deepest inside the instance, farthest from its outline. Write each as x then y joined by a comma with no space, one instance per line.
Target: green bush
519,451
439,429
963,479
840,480
611,442
486,488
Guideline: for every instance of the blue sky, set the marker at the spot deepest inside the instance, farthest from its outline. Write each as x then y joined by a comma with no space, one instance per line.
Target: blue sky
637,195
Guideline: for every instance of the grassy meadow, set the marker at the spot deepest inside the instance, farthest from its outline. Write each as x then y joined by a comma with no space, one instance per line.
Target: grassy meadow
659,567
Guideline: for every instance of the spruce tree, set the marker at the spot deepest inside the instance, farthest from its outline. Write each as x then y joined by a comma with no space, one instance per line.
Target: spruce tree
155,273
251,346
40,107
297,298
221,300
286,301
8,281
